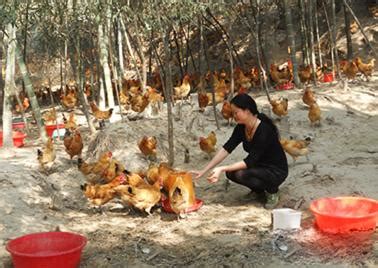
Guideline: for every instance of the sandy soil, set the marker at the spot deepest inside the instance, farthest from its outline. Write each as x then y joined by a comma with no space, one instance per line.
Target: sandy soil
226,231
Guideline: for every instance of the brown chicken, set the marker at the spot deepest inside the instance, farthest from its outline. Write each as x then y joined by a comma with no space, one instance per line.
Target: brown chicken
139,102
99,114
350,69
180,191
156,172
305,74
241,79
279,107
70,99
147,146
208,144
71,122
155,98
182,91
314,114
95,171
227,112
365,68
280,76
73,143
101,194
25,105
143,196
203,100
49,116
296,148
308,96
47,156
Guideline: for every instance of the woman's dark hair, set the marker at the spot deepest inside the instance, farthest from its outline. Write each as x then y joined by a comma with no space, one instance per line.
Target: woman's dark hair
246,102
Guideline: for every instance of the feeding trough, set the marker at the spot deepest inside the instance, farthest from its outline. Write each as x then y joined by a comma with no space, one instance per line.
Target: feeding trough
345,214
50,128
285,86
48,249
167,206
18,138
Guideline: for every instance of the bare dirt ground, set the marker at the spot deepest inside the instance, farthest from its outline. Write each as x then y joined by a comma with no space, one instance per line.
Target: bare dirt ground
226,231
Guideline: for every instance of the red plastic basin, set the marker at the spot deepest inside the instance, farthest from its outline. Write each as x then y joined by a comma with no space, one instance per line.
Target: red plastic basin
345,214
19,125
18,138
328,77
50,129
48,249
167,206
285,86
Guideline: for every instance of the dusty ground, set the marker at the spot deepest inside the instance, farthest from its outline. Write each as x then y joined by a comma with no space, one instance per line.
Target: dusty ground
226,231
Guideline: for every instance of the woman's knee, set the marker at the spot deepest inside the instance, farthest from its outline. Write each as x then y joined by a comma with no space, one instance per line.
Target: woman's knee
230,175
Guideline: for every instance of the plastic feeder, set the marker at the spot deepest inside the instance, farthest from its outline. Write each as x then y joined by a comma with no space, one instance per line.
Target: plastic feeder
328,77
18,125
50,129
167,206
18,138
285,86
48,249
345,214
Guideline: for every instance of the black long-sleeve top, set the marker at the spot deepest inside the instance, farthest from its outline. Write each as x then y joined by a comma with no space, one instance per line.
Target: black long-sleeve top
263,150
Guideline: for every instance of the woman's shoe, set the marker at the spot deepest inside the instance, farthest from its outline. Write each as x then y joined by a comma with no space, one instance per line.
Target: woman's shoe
271,200
254,196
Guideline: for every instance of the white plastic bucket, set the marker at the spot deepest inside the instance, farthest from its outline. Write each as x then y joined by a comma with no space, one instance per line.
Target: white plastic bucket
286,218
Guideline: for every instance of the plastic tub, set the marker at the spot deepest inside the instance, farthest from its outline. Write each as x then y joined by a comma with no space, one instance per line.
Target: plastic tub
286,218
345,214
50,129
18,138
285,86
328,77
18,125
48,249
167,206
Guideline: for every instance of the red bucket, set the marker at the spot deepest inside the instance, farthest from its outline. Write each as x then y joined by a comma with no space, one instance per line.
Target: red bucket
48,249
50,129
328,77
19,125
345,214
18,138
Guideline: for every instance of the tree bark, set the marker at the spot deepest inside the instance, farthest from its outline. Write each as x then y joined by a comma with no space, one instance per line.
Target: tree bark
330,38
334,38
347,33
167,92
9,87
120,49
317,34
311,45
305,50
291,39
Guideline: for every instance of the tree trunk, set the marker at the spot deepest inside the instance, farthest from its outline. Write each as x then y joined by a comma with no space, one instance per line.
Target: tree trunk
305,50
178,49
79,78
167,92
311,45
26,23
317,34
9,87
141,53
330,39
31,95
120,49
291,39
347,33
104,54
334,38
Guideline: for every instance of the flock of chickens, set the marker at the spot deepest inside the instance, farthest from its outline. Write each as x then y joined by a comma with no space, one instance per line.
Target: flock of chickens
107,178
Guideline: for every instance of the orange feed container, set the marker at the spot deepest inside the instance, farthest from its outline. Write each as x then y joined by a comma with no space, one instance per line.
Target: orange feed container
50,128
345,214
47,250
18,138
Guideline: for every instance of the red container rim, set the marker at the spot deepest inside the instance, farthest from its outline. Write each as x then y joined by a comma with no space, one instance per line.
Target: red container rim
52,254
54,126
317,212
167,206
15,135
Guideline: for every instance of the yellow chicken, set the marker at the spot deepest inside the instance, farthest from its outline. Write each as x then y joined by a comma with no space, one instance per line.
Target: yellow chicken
279,107
47,156
296,148
314,114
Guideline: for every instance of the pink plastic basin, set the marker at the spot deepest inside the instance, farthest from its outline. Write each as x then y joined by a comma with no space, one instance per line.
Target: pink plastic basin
345,214
18,138
48,249
50,129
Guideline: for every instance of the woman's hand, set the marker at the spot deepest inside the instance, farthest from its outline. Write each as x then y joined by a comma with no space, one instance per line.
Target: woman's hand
197,174
214,175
